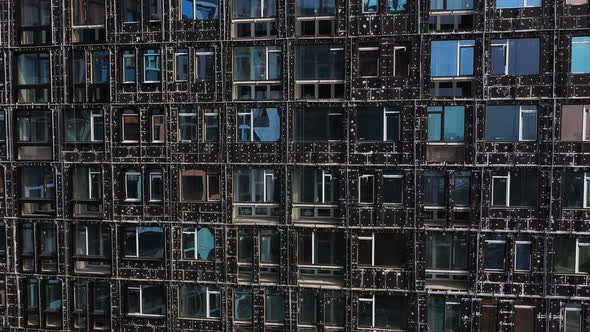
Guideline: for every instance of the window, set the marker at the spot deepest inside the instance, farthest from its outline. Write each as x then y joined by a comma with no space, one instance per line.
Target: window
524,318
462,189
211,122
92,249
571,256
274,307
243,304
443,314
573,319
199,185
205,64
393,188
378,124
446,123
515,189
383,250
580,55
32,77
156,185
315,8
133,186
255,185
522,256
34,22
92,305
38,247
450,58
257,73
383,311
188,125
401,61
369,60
575,123
33,135
314,186
2,126
451,4
87,191
151,66
515,56
2,186
511,123
37,190
397,5
517,3
495,254
158,128
196,302
268,244
259,125
367,189
146,300
435,188
254,19
447,252
308,308
198,243
83,126
128,66
154,10
576,2
321,248
181,65
200,9
88,12
489,316
319,72
315,18
313,125
575,190
131,11
100,66
48,314
144,242
370,6
130,128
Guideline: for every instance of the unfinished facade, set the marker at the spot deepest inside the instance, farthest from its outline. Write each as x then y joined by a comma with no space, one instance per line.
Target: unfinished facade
296,165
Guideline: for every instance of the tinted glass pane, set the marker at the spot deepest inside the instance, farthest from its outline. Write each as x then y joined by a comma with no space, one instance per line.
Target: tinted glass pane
502,123
495,254
581,54
434,190
454,128
565,255
523,257
397,5
524,56
523,189
392,189
571,122
529,125
498,60
444,58
370,124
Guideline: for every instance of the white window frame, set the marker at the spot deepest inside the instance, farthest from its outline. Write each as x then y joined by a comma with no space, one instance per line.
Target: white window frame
395,55
136,254
585,192
372,300
372,239
386,112
459,47
153,175
126,56
140,313
529,244
93,116
395,176
370,49
154,117
525,110
366,176
572,308
100,243
158,54
496,241
176,55
194,233
127,174
199,52
123,127
92,172
585,243
507,177
325,175
208,301
506,48
251,131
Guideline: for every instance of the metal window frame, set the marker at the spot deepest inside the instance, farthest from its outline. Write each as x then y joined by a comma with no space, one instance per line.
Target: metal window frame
153,125
572,308
157,55
507,177
395,176
366,176
587,43
127,56
200,52
395,56
372,239
195,116
506,49
127,174
526,110
151,176
123,116
372,300
93,115
176,55
386,112
370,49
579,243
496,241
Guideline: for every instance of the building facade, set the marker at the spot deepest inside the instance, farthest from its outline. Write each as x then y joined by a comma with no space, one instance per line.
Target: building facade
297,165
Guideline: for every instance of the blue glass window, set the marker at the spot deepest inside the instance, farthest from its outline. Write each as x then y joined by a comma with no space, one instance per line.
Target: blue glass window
315,7
581,55
250,63
451,4
511,123
100,66
259,125
446,123
397,5
205,64
151,63
517,3
515,56
370,6
130,11
200,9
452,58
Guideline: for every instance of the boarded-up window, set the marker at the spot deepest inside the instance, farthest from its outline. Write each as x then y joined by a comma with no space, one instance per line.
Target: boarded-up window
524,319
489,317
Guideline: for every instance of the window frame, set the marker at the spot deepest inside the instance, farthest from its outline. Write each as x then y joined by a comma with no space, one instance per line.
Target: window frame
129,54
371,49
366,176
574,43
157,59
140,313
208,293
496,241
394,176
525,4
204,51
194,232
155,174
184,52
572,308
126,115
153,127
133,172
507,193
530,261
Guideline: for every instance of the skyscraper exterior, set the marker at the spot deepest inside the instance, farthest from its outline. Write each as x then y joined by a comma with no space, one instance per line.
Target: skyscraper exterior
297,165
